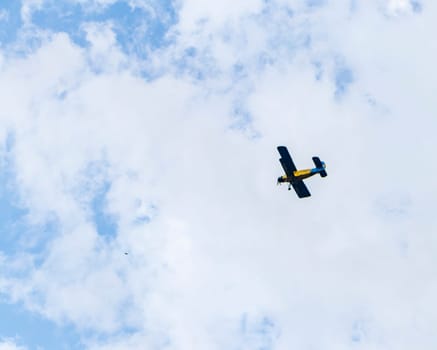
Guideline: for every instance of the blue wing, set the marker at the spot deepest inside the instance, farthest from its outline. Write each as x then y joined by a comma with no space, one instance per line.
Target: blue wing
301,189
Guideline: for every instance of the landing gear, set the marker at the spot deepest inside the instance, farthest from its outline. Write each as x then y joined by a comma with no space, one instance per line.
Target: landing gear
289,187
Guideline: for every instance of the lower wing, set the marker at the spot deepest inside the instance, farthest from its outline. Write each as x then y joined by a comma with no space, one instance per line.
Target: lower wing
301,189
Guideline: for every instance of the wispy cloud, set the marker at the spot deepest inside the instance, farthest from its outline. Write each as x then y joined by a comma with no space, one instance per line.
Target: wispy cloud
7,344
399,7
4,15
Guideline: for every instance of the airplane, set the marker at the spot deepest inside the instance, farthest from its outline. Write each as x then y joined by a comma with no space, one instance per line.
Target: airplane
294,177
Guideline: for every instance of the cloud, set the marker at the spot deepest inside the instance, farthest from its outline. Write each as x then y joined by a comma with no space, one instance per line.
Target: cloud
4,15
226,259
6,344
28,7
398,7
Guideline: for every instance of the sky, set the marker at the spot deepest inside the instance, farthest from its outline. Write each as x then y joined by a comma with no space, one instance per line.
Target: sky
138,164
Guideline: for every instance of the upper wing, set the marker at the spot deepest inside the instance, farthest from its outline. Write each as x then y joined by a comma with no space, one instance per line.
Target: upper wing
286,161
301,189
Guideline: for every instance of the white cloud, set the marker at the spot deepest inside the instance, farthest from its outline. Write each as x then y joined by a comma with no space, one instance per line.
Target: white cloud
104,53
28,7
7,344
4,16
226,244
395,7
193,12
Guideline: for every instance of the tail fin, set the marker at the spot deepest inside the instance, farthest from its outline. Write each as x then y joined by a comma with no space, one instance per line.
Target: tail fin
320,165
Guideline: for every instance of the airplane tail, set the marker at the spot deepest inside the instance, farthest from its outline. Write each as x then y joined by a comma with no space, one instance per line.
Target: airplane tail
321,165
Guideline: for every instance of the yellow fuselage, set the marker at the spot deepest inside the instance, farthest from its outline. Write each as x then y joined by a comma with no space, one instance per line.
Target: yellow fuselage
299,175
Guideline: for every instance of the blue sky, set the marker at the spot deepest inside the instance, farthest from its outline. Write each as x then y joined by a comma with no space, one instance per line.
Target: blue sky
11,21
137,29
35,331
150,128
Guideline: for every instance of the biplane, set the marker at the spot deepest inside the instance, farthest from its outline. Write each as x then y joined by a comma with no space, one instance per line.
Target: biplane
295,177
